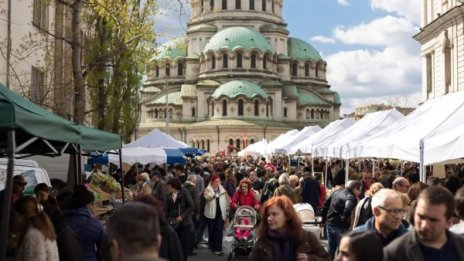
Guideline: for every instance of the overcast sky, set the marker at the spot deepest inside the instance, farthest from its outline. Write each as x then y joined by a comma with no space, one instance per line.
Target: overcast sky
367,44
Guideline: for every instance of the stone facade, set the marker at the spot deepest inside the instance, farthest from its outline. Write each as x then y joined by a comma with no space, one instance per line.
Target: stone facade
442,47
236,78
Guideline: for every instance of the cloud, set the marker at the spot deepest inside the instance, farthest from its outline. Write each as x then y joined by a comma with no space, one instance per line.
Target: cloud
323,39
412,100
343,2
409,9
387,65
172,19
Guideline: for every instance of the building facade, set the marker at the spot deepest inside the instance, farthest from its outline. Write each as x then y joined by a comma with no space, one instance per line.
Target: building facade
236,78
37,63
442,47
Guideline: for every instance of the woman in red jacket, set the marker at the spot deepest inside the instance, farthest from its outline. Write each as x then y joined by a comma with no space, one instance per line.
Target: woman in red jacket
245,196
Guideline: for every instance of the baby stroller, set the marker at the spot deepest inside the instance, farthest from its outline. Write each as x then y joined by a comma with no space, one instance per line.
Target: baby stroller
306,213
243,228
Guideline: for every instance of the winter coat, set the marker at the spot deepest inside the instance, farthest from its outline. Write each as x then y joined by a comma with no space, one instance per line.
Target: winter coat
262,250
193,191
183,206
160,192
369,226
240,199
34,246
338,207
170,243
210,207
87,229
310,191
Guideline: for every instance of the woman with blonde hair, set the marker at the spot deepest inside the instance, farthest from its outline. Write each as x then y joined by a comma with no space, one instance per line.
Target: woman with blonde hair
142,186
363,210
34,231
281,236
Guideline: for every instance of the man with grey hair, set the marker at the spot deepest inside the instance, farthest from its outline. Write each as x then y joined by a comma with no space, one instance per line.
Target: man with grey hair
401,184
388,211
190,186
284,189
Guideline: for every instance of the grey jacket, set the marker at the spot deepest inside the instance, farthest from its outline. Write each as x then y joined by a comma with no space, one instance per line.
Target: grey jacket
407,247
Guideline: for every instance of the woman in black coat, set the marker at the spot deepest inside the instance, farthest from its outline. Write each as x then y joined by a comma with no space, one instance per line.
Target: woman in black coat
179,211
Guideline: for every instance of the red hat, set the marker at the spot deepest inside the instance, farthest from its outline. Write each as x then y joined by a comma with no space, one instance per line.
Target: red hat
213,178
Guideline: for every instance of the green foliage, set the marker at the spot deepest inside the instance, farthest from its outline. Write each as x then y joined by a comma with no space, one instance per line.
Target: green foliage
120,44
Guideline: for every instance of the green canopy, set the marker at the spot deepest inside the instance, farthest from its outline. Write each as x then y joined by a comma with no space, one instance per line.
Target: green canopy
95,139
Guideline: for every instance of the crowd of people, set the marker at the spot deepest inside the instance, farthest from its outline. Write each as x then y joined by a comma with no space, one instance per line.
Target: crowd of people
385,214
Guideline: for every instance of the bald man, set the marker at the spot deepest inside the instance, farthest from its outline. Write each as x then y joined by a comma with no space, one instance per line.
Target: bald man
401,184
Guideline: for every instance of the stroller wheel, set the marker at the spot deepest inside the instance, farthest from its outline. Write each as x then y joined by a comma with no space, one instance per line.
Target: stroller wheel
231,256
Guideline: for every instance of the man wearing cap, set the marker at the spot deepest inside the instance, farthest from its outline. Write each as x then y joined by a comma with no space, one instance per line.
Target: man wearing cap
160,189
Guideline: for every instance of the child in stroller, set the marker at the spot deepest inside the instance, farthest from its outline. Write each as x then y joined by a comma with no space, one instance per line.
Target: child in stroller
242,231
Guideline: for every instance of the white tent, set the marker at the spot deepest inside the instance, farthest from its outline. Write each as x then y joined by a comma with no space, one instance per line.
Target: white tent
369,125
159,139
145,156
292,141
257,148
333,128
275,144
445,146
403,139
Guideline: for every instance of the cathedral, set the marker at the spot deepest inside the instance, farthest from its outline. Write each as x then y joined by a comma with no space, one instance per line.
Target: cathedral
236,78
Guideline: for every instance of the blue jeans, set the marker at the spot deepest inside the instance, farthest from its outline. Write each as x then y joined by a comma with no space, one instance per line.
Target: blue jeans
334,234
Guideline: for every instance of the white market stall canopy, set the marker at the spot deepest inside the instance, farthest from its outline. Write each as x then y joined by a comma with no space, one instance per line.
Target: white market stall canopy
275,144
258,148
304,134
145,156
330,130
159,139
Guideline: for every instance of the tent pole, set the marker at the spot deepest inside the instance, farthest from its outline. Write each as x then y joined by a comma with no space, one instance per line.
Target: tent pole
11,146
79,164
122,176
421,161
312,164
326,171
373,167
347,170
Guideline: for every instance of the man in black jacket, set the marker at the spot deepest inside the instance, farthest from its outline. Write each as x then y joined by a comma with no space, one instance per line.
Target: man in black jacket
336,211
310,190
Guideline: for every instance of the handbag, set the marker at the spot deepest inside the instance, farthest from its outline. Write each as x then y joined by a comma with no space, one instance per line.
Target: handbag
173,222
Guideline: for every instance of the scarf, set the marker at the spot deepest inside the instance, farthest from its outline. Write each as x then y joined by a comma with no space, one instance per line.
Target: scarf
283,247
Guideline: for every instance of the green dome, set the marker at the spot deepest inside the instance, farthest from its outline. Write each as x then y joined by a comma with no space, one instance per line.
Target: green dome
173,98
308,98
239,87
238,37
302,50
172,49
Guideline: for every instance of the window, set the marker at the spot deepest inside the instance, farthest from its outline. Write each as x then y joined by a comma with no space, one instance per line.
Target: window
312,113
306,69
157,71
37,84
208,145
168,70
240,107
231,142
252,4
267,109
202,4
156,114
263,7
322,114
225,61
203,144
252,141
237,143
40,12
211,5
253,60
256,108
307,114
180,69
224,4
213,62
265,62
239,60
285,112
238,4
429,70
212,109
317,70
224,108
294,69
170,113
273,6
193,112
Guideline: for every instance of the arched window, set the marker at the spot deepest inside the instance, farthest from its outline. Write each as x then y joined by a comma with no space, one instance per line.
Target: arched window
208,145
252,4
265,61
231,142
194,112
312,113
202,4
267,109
211,5
252,141
240,107
238,4
180,69
253,60
156,114
317,70
285,112
307,114
322,114
165,113
224,4
170,113
237,143
294,69
203,144
224,108
306,69
239,60
157,71
273,6
213,62
263,7
168,70
256,108
212,108
225,61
